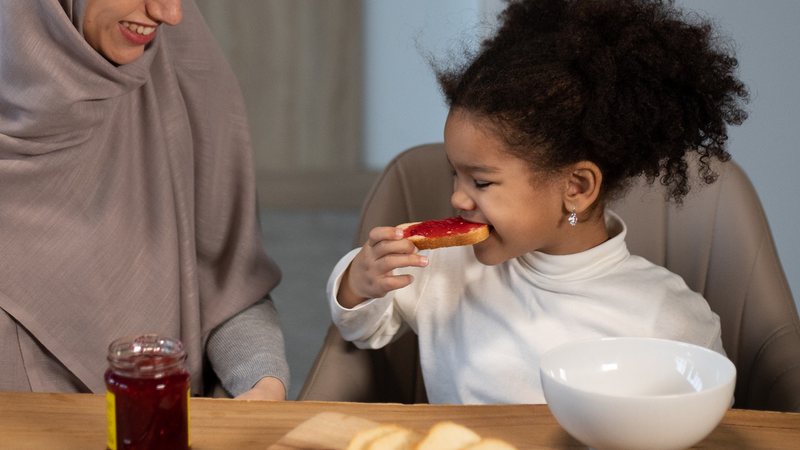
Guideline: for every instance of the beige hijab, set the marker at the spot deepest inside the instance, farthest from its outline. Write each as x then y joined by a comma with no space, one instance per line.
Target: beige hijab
127,201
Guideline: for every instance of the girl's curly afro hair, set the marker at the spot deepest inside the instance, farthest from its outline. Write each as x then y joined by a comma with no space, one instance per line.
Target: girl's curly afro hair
631,85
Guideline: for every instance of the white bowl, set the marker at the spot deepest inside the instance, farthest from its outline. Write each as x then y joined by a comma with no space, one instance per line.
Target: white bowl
637,393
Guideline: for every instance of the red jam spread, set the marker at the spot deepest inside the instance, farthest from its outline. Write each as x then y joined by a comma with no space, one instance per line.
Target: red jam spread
149,396
444,227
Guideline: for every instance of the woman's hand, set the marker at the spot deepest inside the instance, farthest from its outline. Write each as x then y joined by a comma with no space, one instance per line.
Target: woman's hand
267,388
370,273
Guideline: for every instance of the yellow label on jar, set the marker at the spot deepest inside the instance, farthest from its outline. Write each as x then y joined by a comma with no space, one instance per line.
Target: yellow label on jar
111,419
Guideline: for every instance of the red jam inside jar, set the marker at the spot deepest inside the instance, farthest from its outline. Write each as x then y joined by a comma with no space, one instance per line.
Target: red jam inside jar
438,228
147,394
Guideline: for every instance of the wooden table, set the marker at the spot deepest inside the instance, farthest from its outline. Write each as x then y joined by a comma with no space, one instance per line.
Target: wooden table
77,421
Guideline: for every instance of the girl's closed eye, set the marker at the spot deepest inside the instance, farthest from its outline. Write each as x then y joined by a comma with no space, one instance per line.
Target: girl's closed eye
482,184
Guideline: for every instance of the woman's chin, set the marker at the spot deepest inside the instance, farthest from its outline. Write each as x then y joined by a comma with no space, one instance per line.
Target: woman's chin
120,57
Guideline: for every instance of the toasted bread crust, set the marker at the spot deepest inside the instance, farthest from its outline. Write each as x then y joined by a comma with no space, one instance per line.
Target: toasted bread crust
470,237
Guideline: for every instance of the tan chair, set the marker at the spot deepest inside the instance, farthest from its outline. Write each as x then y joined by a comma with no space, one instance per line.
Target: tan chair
718,241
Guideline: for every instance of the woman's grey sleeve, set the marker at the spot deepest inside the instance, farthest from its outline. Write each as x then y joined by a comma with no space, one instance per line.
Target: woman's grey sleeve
248,347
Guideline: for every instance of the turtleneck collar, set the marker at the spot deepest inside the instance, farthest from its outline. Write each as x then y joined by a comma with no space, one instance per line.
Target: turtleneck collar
585,265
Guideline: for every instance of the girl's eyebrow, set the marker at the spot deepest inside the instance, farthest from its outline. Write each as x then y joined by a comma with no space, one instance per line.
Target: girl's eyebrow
475,168
481,169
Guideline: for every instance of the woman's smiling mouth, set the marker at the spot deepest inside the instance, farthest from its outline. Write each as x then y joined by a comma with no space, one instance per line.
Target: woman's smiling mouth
136,33
139,29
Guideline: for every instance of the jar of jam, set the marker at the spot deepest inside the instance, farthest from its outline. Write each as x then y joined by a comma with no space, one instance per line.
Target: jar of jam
147,394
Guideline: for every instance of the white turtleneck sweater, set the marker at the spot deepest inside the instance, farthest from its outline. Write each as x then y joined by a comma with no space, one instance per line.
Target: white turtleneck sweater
482,329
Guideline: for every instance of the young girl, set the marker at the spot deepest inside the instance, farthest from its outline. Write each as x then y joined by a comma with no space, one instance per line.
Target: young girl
565,104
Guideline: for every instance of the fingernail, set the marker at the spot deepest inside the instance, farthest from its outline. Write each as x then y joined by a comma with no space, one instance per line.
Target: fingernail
398,233
423,260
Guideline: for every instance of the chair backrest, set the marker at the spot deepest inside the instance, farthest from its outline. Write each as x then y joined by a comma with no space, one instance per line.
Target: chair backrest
719,241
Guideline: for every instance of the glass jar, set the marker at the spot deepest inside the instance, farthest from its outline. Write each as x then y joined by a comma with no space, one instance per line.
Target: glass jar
147,394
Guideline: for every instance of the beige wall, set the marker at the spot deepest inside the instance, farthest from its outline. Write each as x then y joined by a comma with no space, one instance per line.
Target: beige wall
299,63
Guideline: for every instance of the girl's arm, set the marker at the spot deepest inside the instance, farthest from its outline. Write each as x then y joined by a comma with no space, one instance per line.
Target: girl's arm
360,289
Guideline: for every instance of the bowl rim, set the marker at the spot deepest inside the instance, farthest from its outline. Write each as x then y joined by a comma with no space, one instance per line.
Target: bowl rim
724,359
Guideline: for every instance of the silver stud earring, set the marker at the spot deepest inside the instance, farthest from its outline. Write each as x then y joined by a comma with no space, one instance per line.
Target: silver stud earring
573,218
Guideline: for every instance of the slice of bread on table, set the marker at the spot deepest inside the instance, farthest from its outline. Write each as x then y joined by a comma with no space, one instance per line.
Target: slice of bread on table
448,436
364,438
403,439
445,435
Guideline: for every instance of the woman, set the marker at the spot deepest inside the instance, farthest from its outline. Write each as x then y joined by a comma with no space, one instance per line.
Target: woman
128,200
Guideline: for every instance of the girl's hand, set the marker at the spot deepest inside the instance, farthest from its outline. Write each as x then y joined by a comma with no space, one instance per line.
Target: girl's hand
370,272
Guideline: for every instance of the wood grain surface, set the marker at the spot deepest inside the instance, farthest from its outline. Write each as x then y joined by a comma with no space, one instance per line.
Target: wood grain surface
77,421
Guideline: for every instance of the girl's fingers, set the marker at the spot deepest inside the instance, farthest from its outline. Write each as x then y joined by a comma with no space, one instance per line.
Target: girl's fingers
396,261
400,247
394,282
379,234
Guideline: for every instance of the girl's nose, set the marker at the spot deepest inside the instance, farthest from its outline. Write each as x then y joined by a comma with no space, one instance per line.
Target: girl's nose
460,200
165,11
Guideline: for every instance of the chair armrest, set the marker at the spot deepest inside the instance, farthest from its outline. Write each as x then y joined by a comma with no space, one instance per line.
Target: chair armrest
775,375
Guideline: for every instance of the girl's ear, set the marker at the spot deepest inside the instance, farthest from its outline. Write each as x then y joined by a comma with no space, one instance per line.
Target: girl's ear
583,187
